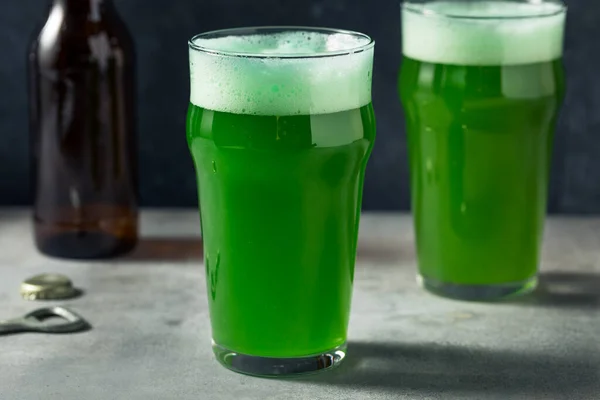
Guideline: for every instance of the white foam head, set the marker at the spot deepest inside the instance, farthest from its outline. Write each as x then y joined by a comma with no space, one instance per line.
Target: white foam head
500,32
295,72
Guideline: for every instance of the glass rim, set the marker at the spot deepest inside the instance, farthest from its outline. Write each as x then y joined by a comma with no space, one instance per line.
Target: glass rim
413,7
241,31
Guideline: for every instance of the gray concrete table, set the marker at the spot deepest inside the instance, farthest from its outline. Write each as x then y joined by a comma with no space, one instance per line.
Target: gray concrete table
151,332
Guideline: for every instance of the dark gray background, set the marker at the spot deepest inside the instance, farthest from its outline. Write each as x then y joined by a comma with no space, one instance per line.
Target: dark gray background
161,29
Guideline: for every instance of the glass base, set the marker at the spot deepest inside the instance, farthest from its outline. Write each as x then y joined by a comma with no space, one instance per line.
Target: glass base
477,292
279,367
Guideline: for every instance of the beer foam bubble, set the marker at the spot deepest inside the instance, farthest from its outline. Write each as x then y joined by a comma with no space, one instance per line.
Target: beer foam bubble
284,73
483,32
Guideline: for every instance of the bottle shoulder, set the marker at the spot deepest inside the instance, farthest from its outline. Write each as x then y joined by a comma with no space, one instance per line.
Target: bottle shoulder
67,41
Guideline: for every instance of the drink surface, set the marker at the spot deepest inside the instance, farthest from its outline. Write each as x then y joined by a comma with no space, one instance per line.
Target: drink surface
82,132
480,131
280,166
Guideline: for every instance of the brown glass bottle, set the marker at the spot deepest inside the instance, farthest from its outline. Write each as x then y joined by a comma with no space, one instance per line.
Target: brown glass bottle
83,141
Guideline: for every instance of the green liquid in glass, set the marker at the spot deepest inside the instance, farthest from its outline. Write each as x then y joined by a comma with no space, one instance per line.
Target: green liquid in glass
480,142
280,203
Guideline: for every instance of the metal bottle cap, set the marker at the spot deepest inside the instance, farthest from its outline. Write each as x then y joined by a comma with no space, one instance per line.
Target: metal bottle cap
48,287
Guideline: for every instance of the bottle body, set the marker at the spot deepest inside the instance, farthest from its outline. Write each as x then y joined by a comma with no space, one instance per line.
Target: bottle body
83,143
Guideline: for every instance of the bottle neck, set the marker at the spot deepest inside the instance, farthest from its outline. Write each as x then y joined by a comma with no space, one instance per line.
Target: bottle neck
91,8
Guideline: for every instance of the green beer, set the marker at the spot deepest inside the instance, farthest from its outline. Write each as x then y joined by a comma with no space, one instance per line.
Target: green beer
280,127
481,84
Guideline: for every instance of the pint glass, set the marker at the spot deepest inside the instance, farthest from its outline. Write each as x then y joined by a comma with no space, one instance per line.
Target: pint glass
481,84
280,127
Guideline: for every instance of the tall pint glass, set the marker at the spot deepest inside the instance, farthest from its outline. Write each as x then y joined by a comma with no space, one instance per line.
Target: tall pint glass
481,84
280,127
